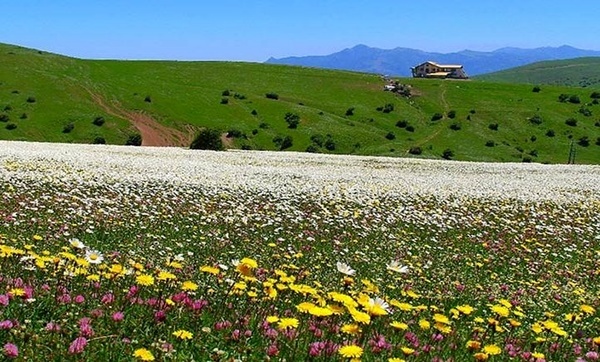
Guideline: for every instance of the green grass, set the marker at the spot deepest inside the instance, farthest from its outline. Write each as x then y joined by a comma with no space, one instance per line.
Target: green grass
187,96
580,72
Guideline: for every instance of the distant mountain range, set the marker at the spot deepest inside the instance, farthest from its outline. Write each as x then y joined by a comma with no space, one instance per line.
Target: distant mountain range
398,61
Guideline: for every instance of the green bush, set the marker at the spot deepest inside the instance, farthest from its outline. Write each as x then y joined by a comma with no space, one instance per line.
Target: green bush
455,126
410,128
31,99
490,143
436,117
537,119
67,128
254,112
583,141
447,154
550,133
4,117
585,111
350,111
574,99
272,95
99,141
226,93
595,95
98,121
402,123
390,136
208,139
292,120
451,114
23,116
536,89
493,126
148,99
7,108
235,133
571,122
415,150
318,140
329,143
224,100
10,126
134,140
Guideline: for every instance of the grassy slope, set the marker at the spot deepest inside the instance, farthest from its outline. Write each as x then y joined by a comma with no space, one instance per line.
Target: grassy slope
583,72
189,93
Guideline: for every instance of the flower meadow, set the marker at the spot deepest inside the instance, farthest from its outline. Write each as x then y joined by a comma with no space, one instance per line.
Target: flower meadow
166,254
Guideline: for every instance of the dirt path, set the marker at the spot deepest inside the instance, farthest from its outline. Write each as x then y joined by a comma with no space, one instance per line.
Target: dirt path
153,133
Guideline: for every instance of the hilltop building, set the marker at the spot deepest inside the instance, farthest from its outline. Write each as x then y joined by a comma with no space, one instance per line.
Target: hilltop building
431,69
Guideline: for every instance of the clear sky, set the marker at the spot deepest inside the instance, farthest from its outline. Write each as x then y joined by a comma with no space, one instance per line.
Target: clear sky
254,30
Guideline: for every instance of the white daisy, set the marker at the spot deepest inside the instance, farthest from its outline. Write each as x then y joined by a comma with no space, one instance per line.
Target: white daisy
345,268
93,256
76,243
397,267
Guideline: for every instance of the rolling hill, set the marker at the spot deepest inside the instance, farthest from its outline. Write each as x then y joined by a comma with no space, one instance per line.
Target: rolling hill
579,72
398,61
51,98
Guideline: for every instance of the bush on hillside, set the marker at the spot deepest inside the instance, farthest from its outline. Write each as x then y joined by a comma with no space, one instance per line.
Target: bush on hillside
7,108
455,126
292,119
208,139
98,121
585,111
226,93
283,142
550,133
272,95
563,97
436,117
148,99
447,154
571,122
4,117
536,89
31,99
134,140
23,116
595,95
584,141
10,126
493,126
537,119
415,150
410,128
402,123
329,143
574,99
99,141
490,143
67,128
451,114
350,111
390,136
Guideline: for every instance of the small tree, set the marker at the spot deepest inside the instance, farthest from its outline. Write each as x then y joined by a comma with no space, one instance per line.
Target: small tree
537,119
350,111
286,142
402,123
148,99
272,95
208,139
98,121
574,99
536,89
571,122
67,128
292,119
390,136
493,126
99,141
30,99
415,150
436,117
451,114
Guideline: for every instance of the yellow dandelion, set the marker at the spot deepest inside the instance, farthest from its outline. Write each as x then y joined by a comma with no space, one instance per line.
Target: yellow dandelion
359,316
587,309
492,349
272,319
424,324
481,356
304,307
351,351
143,354
165,275
285,323
183,334
407,350
351,328
145,280
189,285
399,325
473,345
465,309
210,270
320,311
440,318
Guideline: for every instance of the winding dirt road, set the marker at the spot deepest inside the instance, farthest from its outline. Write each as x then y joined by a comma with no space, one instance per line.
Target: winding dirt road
153,133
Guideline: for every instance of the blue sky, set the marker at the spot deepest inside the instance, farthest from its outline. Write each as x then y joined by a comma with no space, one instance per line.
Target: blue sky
254,30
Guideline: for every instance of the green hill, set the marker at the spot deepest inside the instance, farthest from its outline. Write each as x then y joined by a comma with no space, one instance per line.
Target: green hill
579,72
47,97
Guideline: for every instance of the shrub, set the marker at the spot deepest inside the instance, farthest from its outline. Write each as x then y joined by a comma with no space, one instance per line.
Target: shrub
410,128
563,97
536,89
350,111
583,141
585,111
4,117
264,125
390,136
98,121
99,141
447,154
68,127
318,140
254,112
246,147
455,126
239,96
415,150
472,111
451,114
598,141
550,133
272,95
387,108
234,133
436,117
402,124
23,116
595,95
329,144
10,126
31,99
224,100
574,99
292,120
597,124
15,92
537,119
490,143
208,139
254,132
571,122
533,138
312,149
7,108
134,140
226,93
493,126
286,143
148,99
527,159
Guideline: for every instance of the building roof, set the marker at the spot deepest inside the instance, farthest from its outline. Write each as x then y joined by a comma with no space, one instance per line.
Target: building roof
452,66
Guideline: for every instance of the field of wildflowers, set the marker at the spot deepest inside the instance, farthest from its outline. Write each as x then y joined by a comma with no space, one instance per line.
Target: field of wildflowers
117,253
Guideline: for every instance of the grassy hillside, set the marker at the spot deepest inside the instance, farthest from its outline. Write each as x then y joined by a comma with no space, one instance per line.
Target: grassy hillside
41,93
580,72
